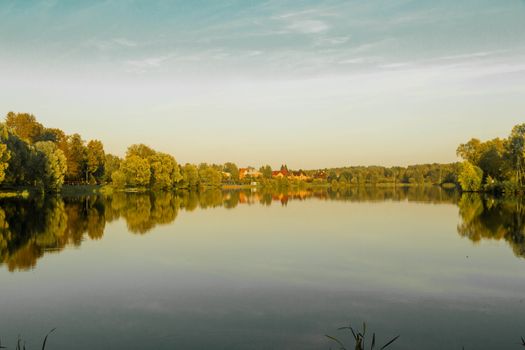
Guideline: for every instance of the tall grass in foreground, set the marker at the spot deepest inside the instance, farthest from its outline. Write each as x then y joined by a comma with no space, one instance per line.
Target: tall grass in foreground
21,345
360,339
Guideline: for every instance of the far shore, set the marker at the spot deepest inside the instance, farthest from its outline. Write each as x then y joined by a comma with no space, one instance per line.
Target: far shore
85,190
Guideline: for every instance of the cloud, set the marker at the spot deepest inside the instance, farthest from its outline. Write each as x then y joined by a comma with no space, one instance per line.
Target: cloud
468,55
125,42
110,44
295,14
332,41
358,60
395,65
146,64
308,26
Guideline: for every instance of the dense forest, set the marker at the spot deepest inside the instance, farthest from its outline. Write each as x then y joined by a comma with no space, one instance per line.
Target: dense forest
32,155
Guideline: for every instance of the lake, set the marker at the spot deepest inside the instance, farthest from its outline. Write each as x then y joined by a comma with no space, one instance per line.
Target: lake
263,270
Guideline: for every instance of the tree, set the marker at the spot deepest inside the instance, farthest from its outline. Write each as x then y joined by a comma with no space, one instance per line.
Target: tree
209,176
95,160
190,176
471,150
24,125
515,148
266,171
111,164
76,158
18,170
118,178
140,150
137,171
5,154
233,170
54,165
491,161
164,171
470,177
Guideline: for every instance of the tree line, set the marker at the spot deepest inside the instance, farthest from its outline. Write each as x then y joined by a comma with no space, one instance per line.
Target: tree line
33,155
496,165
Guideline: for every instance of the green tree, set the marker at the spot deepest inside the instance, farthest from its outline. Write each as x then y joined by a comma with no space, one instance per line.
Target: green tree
165,172
54,165
190,176
18,170
140,150
233,170
492,159
24,125
470,177
118,178
266,171
515,148
470,151
5,154
95,161
76,158
209,176
137,171
111,164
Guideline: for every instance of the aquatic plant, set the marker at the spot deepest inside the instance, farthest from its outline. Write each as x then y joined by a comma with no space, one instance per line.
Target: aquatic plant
359,338
20,344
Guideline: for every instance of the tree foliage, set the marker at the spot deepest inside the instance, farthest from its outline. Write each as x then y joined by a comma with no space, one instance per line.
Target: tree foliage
501,160
53,165
24,125
95,161
136,170
471,177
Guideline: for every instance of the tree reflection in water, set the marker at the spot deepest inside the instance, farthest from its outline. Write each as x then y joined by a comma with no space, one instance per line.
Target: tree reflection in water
30,228
493,218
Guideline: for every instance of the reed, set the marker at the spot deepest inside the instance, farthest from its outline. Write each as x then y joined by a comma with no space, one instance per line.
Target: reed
359,339
21,345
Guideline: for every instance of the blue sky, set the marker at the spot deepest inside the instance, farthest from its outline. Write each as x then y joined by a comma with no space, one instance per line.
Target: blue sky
310,83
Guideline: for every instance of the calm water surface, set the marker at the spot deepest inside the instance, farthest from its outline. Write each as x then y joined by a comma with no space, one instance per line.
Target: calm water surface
243,270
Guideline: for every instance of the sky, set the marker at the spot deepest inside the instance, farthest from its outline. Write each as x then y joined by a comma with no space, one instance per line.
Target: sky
309,83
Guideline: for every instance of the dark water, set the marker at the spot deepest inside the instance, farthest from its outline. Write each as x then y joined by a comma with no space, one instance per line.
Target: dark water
243,270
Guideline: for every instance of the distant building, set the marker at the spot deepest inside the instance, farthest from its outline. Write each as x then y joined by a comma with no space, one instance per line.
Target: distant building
249,172
281,173
278,174
299,175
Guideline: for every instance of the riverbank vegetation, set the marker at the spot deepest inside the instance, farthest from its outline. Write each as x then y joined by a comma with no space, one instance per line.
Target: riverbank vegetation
496,165
42,158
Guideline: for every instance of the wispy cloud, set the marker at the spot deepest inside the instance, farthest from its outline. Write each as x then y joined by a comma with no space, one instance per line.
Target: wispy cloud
396,65
468,55
308,26
146,64
360,60
332,41
295,14
125,42
110,44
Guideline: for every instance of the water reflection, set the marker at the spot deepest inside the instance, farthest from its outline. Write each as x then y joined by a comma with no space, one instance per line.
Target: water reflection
494,219
31,228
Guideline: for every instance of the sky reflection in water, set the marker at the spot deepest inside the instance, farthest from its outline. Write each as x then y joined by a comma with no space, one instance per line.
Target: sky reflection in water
242,270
